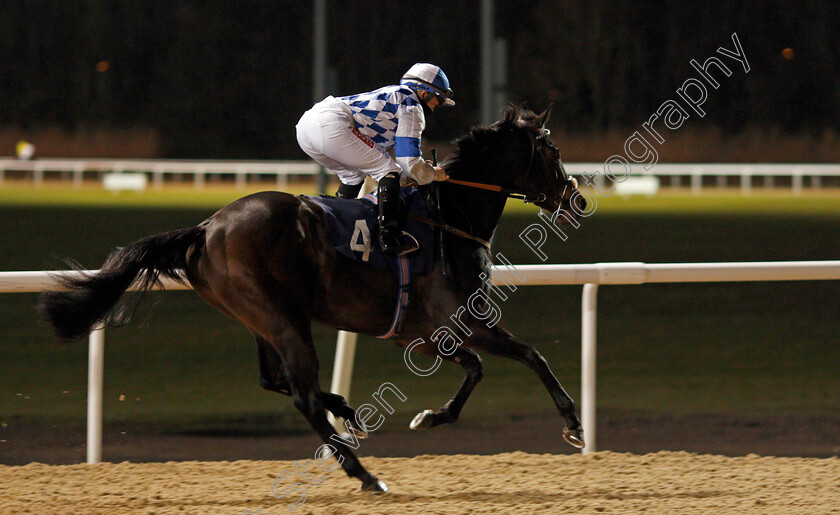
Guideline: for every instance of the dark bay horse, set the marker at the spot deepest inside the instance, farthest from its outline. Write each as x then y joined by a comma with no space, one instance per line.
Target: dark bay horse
265,261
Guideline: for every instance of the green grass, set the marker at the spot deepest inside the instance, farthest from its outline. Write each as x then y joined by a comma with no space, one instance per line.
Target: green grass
699,348
90,195
215,196
779,202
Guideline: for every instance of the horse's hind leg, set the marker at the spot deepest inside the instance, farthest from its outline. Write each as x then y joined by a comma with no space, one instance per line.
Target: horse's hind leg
471,362
273,378
499,342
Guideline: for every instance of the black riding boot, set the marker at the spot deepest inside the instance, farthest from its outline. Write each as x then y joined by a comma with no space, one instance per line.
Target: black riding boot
348,191
392,239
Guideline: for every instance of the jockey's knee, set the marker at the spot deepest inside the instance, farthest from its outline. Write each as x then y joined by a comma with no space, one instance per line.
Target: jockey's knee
350,191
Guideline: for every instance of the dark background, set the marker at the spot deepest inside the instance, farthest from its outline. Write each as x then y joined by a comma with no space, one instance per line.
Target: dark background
230,79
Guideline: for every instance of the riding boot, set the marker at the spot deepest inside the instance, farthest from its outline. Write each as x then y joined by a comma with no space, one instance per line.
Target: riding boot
348,190
392,239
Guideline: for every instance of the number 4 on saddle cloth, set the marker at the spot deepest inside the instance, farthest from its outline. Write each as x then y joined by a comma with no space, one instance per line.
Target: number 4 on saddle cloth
352,229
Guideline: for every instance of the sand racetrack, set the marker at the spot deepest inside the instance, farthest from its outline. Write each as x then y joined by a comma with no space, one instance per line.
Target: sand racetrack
672,482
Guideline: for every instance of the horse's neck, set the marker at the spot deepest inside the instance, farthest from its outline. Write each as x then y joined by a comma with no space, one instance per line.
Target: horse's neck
475,211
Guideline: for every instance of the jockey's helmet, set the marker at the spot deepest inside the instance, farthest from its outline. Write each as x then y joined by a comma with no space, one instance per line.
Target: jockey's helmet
431,78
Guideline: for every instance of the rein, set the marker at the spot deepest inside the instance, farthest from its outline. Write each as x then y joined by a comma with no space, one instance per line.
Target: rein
526,197
492,187
450,229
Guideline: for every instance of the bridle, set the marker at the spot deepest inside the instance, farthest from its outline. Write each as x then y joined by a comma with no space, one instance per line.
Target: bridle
529,197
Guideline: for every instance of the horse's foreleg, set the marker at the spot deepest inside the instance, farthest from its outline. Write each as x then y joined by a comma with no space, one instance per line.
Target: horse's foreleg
499,342
338,406
301,366
273,378
471,362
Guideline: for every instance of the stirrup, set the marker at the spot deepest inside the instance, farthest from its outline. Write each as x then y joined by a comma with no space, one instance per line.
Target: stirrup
409,246
397,244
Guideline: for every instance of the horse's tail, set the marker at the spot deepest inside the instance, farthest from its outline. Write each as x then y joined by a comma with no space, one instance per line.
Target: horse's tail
91,298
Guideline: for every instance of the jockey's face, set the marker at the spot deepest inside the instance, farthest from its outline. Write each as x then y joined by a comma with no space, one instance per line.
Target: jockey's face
430,99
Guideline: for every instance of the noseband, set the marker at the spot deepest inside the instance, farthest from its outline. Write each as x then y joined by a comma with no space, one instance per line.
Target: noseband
527,197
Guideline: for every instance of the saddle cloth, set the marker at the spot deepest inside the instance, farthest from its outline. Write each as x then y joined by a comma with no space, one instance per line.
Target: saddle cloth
354,232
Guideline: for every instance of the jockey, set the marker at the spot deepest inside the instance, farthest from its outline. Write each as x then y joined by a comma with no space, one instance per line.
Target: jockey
349,136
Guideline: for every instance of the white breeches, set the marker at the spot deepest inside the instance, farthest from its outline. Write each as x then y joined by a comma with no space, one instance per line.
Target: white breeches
327,133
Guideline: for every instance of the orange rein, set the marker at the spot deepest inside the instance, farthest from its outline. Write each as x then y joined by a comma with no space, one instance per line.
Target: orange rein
479,185
492,187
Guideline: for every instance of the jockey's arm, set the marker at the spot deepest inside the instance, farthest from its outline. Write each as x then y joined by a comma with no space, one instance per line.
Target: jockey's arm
420,171
407,148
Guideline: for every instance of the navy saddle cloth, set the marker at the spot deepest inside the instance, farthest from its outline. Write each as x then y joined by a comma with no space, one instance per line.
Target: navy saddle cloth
354,232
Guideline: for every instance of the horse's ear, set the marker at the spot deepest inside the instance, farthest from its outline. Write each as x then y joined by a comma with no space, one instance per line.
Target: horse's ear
543,118
510,113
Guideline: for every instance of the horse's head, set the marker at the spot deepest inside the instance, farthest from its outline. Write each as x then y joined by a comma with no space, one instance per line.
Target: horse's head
539,174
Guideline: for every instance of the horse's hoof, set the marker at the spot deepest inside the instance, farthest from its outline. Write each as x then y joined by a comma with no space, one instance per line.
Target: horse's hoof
357,433
574,437
375,487
360,432
423,420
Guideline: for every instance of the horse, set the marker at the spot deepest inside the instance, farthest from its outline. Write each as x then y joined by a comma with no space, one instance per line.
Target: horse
265,261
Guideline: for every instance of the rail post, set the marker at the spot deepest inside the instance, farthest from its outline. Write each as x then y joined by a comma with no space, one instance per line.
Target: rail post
588,359
696,180
345,354
96,365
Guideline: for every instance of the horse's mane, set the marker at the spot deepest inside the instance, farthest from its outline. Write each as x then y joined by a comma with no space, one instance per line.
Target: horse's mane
478,138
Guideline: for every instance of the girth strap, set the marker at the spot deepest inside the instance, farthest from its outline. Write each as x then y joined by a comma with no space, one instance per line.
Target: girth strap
402,299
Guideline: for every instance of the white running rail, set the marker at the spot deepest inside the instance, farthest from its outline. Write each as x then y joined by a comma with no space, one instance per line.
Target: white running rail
35,282
532,275
797,173
640,273
241,170
744,172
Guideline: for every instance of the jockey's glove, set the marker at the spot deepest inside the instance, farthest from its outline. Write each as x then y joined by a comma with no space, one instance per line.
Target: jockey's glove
440,174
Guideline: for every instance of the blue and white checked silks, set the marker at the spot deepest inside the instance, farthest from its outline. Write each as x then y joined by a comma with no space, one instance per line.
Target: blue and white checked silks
349,135
389,116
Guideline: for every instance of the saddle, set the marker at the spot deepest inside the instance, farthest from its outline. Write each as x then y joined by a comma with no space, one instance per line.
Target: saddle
353,230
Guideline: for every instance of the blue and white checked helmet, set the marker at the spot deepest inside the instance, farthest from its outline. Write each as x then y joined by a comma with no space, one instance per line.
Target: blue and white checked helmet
430,78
